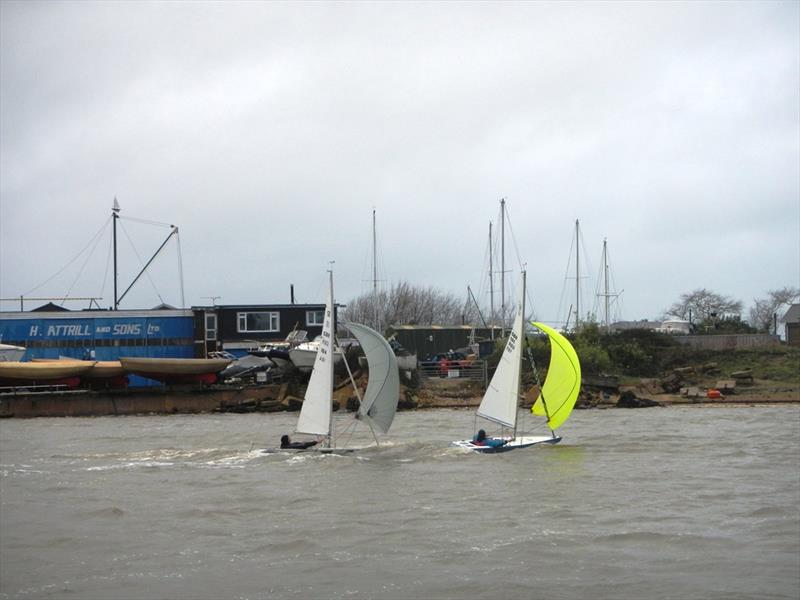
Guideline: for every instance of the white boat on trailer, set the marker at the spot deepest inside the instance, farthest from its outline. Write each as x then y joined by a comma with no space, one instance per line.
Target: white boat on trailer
500,403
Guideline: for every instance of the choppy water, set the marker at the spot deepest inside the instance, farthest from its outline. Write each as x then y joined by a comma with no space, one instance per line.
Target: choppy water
652,503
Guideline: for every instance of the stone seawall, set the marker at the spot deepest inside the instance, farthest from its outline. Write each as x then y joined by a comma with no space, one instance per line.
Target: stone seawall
82,403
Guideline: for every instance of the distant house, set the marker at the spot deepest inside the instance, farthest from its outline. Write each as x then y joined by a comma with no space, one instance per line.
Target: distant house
241,327
643,324
791,323
675,326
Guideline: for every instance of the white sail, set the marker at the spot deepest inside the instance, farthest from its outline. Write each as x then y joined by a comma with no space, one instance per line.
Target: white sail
315,414
501,400
383,389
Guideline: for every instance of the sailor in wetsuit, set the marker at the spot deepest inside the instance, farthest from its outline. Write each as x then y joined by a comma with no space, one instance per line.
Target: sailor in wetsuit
287,443
481,440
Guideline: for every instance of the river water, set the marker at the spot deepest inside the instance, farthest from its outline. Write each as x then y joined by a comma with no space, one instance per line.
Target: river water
652,503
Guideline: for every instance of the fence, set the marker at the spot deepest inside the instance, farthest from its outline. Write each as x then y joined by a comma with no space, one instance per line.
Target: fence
475,370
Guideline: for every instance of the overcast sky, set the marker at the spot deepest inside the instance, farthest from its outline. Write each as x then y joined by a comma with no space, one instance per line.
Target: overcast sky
268,132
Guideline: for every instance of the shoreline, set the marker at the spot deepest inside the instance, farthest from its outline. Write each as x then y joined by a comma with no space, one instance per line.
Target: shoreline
282,398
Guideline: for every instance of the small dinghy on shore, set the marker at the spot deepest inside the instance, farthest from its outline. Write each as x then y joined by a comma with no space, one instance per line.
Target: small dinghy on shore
100,369
50,370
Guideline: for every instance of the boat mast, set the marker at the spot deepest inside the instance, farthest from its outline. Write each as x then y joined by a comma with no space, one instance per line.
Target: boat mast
577,275
375,273
516,412
605,283
491,281
503,266
333,350
115,215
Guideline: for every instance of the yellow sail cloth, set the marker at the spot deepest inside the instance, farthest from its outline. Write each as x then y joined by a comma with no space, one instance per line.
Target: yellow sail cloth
563,381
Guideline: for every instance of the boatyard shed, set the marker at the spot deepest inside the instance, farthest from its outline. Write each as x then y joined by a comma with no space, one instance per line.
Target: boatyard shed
427,340
791,322
101,334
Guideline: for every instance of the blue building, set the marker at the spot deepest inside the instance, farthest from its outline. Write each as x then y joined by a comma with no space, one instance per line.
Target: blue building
52,331
101,334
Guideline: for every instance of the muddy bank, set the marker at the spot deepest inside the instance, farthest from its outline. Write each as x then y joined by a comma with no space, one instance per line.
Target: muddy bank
444,393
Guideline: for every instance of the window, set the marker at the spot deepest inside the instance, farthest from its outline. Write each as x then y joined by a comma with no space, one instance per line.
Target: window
257,322
211,326
315,317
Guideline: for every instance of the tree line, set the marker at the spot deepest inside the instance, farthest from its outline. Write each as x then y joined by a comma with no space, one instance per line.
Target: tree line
708,311
407,304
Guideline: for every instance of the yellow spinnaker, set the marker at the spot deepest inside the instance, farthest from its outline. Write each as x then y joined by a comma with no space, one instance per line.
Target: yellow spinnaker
563,381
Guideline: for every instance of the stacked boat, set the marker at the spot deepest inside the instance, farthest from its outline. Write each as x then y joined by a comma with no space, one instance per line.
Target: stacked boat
72,372
176,370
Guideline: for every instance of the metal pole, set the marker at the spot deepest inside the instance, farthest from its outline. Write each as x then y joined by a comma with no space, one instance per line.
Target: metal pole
152,258
524,277
375,273
503,266
333,350
491,281
605,276
115,215
577,276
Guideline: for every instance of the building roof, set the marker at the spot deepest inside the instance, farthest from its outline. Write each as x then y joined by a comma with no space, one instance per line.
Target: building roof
252,307
50,307
792,315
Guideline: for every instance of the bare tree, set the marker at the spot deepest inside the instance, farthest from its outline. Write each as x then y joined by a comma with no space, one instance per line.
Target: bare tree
405,304
761,314
703,304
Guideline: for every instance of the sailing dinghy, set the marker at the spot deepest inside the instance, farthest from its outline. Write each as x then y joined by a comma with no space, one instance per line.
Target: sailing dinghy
500,403
376,409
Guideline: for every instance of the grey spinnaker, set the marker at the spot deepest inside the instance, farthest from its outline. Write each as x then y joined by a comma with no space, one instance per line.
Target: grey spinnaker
379,404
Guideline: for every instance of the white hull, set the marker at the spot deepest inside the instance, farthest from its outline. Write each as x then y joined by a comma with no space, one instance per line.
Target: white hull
303,357
317,450
9,353
513,443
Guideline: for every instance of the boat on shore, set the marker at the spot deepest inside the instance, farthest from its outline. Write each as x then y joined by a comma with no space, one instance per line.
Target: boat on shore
304,355
278,352
16,372
175,370
99,369
246,366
